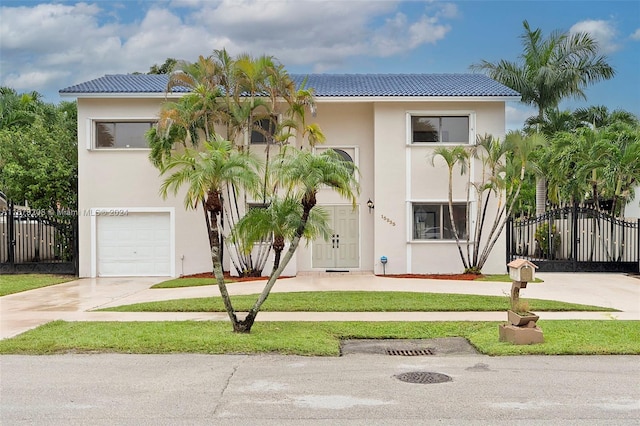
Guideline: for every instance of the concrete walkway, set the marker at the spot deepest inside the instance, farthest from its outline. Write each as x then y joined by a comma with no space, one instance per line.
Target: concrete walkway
73,301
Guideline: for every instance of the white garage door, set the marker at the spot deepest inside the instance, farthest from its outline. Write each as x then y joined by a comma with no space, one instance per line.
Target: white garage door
137,244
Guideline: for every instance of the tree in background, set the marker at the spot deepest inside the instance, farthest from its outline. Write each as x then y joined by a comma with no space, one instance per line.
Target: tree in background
38,150
595,164
583,150
549,70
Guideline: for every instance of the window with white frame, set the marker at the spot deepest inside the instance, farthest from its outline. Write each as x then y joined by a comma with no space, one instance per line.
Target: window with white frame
122,134
431,221
440,129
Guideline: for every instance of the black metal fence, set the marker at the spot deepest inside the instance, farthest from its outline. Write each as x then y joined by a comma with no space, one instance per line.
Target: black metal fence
38,241
572,239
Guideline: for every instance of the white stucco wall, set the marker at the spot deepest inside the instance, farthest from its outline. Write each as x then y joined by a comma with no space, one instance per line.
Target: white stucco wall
410,177
632,210
348,125
126,179
393,174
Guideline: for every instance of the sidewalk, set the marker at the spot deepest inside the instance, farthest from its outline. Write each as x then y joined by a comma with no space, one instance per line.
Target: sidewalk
73,301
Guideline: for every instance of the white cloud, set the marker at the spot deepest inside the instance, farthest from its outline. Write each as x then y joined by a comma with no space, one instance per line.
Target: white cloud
49,46
636,35
447,10
604,32
398,35
27,80
516,114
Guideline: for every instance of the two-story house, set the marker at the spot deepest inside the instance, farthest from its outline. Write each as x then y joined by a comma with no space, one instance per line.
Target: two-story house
387,124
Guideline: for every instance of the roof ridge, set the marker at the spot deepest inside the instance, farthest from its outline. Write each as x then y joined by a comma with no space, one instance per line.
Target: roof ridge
325,84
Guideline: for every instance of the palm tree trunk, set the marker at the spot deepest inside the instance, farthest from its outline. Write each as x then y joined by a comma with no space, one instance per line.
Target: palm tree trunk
453,223
245,325
214,238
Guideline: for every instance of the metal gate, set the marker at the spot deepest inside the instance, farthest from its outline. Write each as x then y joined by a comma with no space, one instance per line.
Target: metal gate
575,239
38,241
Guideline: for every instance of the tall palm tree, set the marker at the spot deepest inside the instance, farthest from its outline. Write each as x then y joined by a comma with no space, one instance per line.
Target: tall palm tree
457,155
549,70
235,93
206,173
504,165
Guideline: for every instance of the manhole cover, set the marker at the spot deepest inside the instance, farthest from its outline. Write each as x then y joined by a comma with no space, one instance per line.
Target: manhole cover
423,377
410,352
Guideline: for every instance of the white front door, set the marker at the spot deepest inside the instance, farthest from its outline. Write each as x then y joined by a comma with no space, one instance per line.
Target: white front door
137,244
343,248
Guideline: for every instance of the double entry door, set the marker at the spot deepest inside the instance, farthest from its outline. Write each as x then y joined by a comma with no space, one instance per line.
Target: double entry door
343,248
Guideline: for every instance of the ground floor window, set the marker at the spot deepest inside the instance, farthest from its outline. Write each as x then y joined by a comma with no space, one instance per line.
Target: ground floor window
431,221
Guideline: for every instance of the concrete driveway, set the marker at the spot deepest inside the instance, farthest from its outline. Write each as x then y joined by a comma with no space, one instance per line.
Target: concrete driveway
73,301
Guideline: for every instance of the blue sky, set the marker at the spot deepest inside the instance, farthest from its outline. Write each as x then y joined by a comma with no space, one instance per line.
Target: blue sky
45,46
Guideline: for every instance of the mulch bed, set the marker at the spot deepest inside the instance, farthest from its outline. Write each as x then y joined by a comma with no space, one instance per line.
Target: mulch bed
228,277
459,277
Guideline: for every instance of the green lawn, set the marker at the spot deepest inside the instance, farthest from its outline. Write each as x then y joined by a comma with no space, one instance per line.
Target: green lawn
355,301
187,282
312,338
10,284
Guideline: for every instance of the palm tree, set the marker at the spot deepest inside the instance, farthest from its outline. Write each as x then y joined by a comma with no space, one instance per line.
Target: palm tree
504,165
205,174
552,122
622,170
598,116
278,222
575,161
550,70
457,155
302,174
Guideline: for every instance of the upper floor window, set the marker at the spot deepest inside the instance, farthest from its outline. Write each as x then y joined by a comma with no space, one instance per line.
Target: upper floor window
439,129
122,134
348,155
263,130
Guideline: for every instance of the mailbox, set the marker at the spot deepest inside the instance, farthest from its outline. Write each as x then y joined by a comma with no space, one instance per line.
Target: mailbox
522,270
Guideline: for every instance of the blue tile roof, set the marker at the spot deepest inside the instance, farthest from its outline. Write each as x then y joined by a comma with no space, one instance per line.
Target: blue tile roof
325,85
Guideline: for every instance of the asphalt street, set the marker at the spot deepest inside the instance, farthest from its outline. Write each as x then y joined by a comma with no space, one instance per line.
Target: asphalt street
355,389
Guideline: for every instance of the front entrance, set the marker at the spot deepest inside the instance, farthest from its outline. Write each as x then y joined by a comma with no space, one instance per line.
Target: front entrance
342,251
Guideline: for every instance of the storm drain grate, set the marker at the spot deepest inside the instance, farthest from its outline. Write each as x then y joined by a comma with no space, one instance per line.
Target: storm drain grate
411,352
423,377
